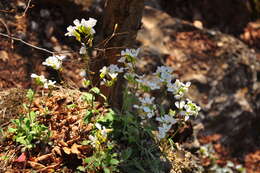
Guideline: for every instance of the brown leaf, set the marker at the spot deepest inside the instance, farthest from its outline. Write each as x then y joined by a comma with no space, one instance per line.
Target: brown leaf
73,140
36,165
74,149
62,143
43,157
66,150
50,168
57,150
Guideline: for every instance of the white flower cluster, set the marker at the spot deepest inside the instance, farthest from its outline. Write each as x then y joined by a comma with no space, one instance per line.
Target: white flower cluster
164,73
129,57
178,88
95,141
187,108
163,76
147,107
109,74
85,26
133,53
54,61
41,80
166,123
153,84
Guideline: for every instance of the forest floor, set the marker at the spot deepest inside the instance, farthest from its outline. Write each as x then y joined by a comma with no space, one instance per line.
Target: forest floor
44,24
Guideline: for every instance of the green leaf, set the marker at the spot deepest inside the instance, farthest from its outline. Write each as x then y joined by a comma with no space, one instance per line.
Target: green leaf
108,117
21,140
114,162
71,106
12,130
27,123
85,142
106,170
81,168
88,160
30,95
25,106
88,116
95,90
86,83
88,97
33,116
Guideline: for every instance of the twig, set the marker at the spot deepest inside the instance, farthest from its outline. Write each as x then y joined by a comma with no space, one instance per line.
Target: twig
105,42
27,7
8,31
7,11
33,46
109,48
28,44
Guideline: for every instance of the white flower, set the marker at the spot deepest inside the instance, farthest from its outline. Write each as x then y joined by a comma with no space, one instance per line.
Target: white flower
112,68
153,84
164,73
102,129
83,73
104,70
113,75
83,50
71,31
88,24
94,140
41,80
111,71
187,108
163,69
77,23
147,100
50,84
191,108
166,119
115,69
54,61
130,52
178,88
163,130
147,108
180,104
161,133
122,60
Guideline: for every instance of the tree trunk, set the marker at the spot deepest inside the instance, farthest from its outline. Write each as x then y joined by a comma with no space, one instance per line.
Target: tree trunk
127,14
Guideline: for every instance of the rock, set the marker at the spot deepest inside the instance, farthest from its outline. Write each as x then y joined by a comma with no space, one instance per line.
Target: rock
212,13
224,73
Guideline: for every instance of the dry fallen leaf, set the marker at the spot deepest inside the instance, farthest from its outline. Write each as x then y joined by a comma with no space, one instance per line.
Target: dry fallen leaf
57,150
66,150
43,157
74,149
36,165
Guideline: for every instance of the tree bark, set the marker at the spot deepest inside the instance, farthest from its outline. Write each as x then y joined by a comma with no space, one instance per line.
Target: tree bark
127,15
